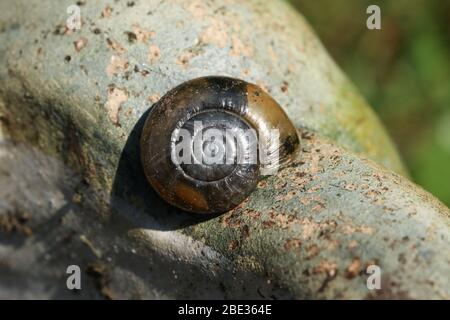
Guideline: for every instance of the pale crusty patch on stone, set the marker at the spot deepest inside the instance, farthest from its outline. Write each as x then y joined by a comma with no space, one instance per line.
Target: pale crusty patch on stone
239,48
107,11
80,44
116,46
310,228
215,34
154,53
312,251
292,244
197,9
249,262
233,245
185,57
116,97
251,213
284,86
349,229
116,65
350,187
142,35
353,244
272,54
353,269
333,245
327,267
262,85
154,98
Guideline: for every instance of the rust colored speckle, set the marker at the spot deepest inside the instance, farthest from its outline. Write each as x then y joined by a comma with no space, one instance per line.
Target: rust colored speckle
107,12
327,267
100,272
291,194
233,245
268,224
262,184
142,35
239,48
282,220
116,65
80,44
292,244
116,97
262,85
353,269
16,222
215,34
245,73
312,251
154,53
251,213
230,220
349,229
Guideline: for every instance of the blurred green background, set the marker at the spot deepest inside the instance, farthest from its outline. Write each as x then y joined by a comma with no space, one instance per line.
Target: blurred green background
403,70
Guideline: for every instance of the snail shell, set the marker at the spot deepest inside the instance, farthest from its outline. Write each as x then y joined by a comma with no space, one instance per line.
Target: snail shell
225,108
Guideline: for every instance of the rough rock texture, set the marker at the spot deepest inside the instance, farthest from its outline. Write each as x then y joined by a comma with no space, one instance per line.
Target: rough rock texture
81,97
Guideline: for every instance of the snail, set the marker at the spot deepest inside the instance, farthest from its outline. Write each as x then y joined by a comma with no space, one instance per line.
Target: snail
207,142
